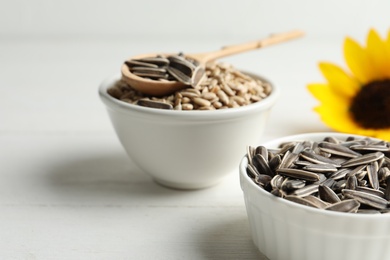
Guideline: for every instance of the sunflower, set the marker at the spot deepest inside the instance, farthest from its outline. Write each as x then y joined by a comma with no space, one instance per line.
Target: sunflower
357,100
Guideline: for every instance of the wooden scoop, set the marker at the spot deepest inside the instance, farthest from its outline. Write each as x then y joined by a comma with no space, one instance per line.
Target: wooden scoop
161,88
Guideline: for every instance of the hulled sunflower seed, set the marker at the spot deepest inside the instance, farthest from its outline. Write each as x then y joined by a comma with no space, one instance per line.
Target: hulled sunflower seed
202,102
223,97
210,96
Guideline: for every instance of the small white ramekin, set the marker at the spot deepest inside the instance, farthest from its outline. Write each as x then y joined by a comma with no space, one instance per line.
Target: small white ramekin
186,149
284,230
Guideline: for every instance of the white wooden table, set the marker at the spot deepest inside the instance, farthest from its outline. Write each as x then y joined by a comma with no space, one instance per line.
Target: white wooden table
67,189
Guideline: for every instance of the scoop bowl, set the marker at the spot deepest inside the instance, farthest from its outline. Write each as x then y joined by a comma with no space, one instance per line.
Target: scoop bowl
186,149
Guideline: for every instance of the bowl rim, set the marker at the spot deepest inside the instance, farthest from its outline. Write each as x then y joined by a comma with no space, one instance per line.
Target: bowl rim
124,107
304,136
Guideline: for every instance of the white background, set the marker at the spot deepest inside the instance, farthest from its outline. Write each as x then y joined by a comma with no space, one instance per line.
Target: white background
67,189
195,19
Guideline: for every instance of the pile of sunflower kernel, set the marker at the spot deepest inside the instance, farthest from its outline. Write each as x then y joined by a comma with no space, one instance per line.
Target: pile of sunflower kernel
223,87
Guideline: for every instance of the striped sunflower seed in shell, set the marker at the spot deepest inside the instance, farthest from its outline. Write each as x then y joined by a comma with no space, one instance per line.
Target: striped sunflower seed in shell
338,178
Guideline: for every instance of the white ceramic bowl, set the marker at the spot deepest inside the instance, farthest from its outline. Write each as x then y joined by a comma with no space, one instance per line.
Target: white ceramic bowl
186,149
284,230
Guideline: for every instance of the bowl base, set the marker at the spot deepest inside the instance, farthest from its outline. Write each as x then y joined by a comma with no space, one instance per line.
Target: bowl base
186,186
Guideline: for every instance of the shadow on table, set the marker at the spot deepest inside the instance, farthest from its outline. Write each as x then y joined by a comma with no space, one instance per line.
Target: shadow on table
230,239
102,176
110,180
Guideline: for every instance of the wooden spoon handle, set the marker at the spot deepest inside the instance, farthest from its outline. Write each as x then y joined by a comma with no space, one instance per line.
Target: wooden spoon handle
243,47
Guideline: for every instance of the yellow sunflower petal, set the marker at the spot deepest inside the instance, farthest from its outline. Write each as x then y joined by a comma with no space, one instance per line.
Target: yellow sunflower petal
340,82
325,94
388,36
333,109
385,134
376,50
337,118
387,51
388,40
358,61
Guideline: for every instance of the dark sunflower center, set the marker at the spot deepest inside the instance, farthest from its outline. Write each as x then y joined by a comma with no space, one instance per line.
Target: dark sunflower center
370,108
